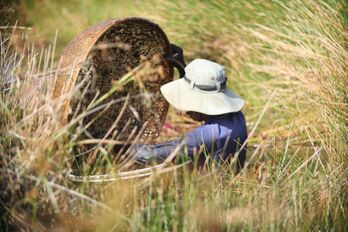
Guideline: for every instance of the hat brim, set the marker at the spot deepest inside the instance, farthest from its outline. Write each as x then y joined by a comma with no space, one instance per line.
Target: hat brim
182,96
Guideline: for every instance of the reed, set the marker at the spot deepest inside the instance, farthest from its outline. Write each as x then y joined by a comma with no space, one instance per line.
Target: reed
289,62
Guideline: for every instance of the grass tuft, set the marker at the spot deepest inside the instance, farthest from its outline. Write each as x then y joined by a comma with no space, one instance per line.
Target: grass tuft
296,174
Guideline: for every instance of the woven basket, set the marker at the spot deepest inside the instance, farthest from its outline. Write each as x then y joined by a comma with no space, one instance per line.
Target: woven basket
101,55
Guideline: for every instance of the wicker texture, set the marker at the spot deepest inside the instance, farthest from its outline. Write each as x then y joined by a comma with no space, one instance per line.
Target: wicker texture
101,55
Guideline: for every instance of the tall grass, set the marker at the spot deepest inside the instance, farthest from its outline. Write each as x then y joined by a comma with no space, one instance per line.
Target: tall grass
296,174
70,17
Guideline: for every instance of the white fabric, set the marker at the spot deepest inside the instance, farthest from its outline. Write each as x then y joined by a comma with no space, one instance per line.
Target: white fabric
187,97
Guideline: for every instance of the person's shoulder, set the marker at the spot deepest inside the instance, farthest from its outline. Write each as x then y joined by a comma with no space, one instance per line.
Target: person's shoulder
203,134
238,115
204,131
205,127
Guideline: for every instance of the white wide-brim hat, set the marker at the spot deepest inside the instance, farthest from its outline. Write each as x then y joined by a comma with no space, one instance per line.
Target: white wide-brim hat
203,90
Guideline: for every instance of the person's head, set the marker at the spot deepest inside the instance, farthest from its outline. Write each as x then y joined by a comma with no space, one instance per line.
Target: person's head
202,92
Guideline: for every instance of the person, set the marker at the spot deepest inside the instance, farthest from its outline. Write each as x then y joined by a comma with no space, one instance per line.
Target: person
202,93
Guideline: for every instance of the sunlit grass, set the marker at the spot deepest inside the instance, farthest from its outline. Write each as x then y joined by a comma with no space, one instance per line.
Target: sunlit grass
296,174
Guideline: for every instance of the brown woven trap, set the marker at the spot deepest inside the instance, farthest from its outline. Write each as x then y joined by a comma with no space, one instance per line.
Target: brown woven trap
96,60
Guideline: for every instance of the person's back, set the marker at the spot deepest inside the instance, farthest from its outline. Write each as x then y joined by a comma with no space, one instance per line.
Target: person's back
221,137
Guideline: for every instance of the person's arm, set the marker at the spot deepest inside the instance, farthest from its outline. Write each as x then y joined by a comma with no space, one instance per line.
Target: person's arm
193,142
198,141
146,153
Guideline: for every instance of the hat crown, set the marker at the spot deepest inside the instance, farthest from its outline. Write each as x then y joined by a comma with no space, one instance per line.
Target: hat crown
205,72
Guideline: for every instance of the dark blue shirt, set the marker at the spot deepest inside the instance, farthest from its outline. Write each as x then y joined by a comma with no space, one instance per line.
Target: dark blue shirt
220,138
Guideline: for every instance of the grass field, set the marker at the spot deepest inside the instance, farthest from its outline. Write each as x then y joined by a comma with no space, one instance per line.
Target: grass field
288,60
